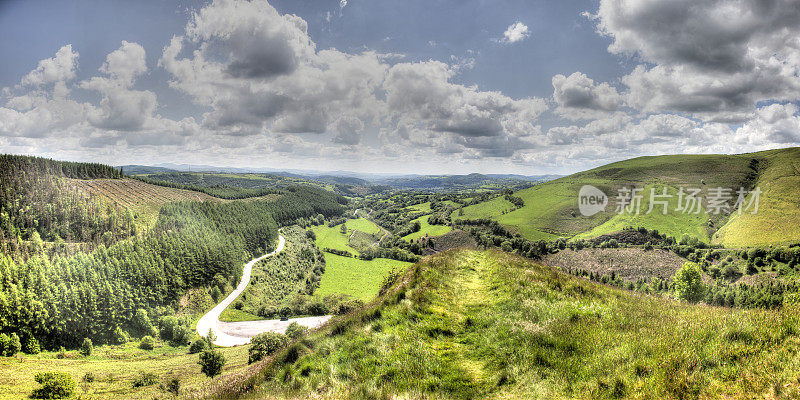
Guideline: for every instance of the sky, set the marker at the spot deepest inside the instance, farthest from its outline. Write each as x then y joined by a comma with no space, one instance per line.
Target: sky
408,86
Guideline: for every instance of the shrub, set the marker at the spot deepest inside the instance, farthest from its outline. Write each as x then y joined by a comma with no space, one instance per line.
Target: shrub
168,325
88,377
751,269
689,282
197,346
147,343
5,342
295,330
265,344
14,346
211,362
730,271
142,324
180,336
347,306
31,345
55,385
120,336
145,379
171,386
86,347
62,353
267,311
317,308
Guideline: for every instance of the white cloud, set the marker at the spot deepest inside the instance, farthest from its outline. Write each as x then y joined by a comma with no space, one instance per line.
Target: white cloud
288,86
515,32
60,68
773,124
125,63
715,59
578,97
121,108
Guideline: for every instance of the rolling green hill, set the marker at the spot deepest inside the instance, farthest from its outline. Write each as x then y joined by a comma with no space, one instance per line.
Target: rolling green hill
551,208
469,324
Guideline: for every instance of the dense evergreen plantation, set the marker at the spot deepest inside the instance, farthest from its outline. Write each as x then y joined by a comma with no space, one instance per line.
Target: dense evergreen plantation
59,301
38,203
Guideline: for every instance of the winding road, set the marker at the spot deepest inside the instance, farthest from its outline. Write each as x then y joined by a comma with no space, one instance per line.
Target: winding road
239,333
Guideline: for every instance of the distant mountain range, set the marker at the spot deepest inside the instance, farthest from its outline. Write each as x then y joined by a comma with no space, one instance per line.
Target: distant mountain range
407,181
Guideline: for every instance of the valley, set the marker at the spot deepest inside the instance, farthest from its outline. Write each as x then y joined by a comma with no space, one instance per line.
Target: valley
472,292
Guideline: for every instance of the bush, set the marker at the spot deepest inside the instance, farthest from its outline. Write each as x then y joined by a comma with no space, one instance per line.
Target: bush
86,347
689,282
147,343
5,342
145,379
211,362
88,377
751,269
142,324
347,306
14,346
730,271
171,386
295,330
265,344
31,346
55,385
197,346
180,336
120,336
168,325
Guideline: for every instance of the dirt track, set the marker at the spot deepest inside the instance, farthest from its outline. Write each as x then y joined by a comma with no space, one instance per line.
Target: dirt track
239,333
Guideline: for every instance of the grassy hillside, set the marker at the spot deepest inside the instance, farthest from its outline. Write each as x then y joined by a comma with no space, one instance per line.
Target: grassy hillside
468,324
551,208
779,209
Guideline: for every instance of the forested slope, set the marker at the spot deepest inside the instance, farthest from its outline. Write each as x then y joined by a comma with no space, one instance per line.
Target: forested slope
60,300
37,203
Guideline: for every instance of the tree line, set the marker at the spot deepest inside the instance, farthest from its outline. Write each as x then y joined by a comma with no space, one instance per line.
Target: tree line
60,301
38,203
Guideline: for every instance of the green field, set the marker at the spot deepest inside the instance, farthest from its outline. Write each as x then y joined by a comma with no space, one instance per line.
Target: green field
551,208
427,229
363,225
422,207
114,369
351,276
332,237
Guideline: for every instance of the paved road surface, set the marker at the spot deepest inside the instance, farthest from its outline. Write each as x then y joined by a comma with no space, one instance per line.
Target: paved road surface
239,333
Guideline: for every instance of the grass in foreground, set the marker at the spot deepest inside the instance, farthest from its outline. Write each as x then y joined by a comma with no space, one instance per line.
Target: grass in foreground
469,324
114,369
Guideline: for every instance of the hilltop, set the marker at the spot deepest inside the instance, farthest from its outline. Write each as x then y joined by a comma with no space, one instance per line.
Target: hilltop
550,209
486,324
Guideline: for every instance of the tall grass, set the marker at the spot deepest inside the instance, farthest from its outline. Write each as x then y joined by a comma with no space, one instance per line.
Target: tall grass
468,324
